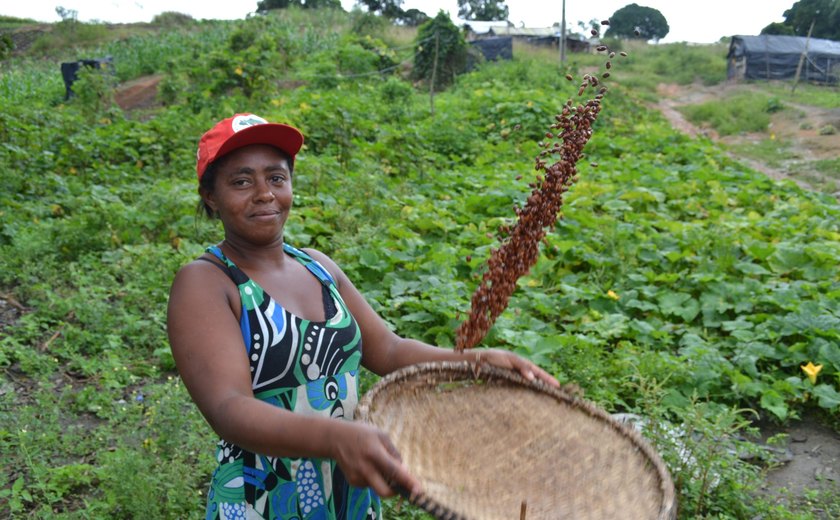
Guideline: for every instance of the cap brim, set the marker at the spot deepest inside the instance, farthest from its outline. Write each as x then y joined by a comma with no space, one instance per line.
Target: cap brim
285,137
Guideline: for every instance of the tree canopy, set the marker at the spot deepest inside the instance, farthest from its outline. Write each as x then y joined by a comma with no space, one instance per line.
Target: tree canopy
638,22
414,17
388,8
267,5
824,14
482,10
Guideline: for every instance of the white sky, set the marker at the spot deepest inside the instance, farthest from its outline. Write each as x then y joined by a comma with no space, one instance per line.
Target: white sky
700,21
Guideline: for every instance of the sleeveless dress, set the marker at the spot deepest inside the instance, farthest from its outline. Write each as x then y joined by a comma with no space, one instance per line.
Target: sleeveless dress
308,367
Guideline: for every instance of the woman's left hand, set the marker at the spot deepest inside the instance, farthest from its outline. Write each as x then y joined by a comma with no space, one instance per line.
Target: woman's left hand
509,360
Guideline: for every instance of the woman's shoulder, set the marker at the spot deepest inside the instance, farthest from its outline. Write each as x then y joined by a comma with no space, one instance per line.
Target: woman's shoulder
205,269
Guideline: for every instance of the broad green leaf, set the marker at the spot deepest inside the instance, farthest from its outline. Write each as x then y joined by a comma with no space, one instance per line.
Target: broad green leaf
609,326
787,258
751,268
828,397
418,317
773,402
830,354
679,304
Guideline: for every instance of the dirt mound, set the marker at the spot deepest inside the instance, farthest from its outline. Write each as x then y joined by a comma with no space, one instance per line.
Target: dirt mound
139,93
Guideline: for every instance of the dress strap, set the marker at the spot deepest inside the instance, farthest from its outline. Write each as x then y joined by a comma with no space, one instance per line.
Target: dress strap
232,271
313,266
223,268
310,263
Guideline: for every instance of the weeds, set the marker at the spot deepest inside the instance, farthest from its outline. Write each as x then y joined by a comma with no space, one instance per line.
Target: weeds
735,114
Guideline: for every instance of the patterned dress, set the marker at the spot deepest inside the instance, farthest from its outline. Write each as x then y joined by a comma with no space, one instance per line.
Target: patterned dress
309,367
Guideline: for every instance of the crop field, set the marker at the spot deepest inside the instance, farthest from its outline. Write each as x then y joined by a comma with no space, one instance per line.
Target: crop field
680,284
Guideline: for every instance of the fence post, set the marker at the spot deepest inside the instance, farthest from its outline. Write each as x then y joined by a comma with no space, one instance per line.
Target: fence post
434,75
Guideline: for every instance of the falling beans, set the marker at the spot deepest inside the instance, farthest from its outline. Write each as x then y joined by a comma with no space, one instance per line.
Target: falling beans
519,249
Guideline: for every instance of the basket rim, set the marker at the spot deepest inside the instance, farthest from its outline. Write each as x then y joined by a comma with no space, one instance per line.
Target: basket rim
449,371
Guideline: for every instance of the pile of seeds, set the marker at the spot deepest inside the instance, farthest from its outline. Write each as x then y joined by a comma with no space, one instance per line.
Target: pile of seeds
519,249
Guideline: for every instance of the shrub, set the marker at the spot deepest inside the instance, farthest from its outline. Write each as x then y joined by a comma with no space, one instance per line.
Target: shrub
440,52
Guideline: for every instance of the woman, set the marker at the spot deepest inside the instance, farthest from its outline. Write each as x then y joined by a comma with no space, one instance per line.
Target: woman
269,340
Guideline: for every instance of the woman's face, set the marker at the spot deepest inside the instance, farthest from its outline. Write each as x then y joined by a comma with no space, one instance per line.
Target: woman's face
252,193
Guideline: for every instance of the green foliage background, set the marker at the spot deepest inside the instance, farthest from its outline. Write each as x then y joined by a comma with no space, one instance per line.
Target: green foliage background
681,285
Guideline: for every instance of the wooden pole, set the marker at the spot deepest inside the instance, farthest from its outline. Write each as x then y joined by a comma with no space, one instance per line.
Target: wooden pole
434,75
562,41
803,56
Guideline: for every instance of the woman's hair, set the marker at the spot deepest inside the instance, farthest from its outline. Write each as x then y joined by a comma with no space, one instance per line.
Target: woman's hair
207,183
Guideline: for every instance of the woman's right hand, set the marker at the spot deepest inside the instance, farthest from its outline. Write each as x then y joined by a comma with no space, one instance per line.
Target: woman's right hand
368,458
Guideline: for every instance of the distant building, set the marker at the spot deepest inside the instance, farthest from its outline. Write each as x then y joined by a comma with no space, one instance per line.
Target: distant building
778,57
548,36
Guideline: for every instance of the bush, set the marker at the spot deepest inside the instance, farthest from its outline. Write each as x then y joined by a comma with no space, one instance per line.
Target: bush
440,52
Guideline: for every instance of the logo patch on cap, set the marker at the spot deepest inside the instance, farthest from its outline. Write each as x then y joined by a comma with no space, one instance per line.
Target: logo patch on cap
244,121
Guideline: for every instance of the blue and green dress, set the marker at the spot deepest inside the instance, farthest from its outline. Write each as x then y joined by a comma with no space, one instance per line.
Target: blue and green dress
308,367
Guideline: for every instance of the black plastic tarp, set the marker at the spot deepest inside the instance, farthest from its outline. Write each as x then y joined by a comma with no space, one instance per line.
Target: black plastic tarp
778,57
500,48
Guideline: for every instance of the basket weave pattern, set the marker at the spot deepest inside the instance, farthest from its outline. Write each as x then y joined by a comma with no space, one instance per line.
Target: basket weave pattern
487,444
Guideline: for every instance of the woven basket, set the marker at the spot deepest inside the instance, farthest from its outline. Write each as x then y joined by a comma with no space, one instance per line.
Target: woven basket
488,444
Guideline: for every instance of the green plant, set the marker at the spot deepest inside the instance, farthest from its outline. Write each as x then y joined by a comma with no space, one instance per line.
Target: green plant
440,52
733,115
94,91
706,448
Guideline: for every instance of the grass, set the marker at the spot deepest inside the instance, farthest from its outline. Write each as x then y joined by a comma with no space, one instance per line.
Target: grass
825,96
770,151
734,114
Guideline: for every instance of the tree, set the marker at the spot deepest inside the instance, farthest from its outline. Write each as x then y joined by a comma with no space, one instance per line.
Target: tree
482,10
639,22
263,6
440,52
777,28
413,18
824,14
587,28
388,8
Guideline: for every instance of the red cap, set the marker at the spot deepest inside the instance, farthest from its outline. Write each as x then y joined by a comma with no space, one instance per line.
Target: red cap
243,130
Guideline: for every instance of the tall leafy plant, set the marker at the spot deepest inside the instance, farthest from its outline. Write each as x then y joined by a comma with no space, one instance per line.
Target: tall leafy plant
440,52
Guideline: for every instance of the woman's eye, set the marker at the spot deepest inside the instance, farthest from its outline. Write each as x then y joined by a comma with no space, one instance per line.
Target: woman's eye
278,179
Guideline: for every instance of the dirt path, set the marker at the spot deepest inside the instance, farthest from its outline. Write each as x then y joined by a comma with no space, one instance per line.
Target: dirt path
796,129
138,94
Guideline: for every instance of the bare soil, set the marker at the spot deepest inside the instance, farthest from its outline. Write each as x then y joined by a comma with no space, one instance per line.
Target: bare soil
796,129
809,463
140,93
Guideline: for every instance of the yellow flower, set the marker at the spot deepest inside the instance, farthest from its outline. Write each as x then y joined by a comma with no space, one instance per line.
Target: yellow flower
811,370
611,294
238,71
